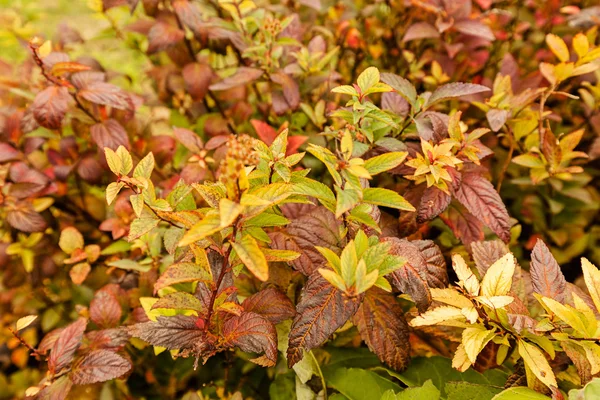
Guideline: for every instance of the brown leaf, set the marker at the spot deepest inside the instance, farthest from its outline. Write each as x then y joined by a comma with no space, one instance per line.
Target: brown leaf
420,30
8,153
291,92
105,309
178,332
454,90
433,202
197,78
579,359
486,253
163,36
382,326
254,334
189,139
412,277
318,228
99,366
50,106
109,134
112,339
546,277
437,273
321,311
271,304
242,76
67,343
107,94
550,147
183,272
58,390
474,28
82,79
24,218
189,14
481,199
465,226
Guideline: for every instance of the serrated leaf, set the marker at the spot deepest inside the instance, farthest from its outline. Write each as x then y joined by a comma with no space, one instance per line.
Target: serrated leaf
206,227
402,86
466,277
114,162
229,211
345,89
498,278
368,78
99,366
145,167
546,276
567,314
252,256
176,332
67,343
474,339
137,203
252,333
180,301
105,309
591,275
536,362
141,226
437,315
271,304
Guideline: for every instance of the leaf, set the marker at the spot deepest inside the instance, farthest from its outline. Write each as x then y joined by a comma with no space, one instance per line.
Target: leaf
426,392
486,253
382,326
433,203
481,199
58,390
402,86
566,314
109,134
384,162
99,366
546,276
519,393
437,316
591,275
242,76
474,28
386,198
466,277
24,218
252,333
107,94
197,79
321,311
67,343
252,256
359,384
183,272
70,240
229,211
558,47
498,278
177,332
105,309
179,301
411,278
474,339
291,92
141,226
347,199
271,304
464,225
437,274
50,106
466,390
536,361
24,322
590,391
368,78
145,167
454,90
162,36
420,30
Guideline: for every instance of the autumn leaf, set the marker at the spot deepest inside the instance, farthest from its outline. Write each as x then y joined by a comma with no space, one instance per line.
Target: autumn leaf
271,304
252,333
99,366
177,332
68,342
50,106
546,276
183,272
105,310
498,278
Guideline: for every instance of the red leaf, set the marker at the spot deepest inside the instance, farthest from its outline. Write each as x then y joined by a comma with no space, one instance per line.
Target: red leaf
178,332
8,153
465,226
162,36
420,30
106,94
321,311
412,277
546,277
481,199
474,28
318,228
24,218
197,78
291,92
99,366
105,309
109,134
50,106
81,79
242,76
189,14
382,326
58,390
67,343
254,334
189,139
271,304
265,132
437,273
113,339
454,90
294,142
433,202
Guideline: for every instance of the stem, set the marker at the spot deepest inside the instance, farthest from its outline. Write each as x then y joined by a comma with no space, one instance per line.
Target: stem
320,373
24,343
507,161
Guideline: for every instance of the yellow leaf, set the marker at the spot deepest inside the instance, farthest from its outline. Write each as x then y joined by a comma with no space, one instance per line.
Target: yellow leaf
474,340
466,277
437,315
558,47
567,314
591,323
252,256
45,49
498,278
24,322
229,211
581,45
461,361
591,275
538,364
470,313
450,297
495,301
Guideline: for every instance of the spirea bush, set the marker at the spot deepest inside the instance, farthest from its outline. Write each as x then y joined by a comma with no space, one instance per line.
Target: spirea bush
252,199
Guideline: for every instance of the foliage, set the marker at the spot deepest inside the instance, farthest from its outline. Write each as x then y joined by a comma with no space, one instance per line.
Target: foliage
249,199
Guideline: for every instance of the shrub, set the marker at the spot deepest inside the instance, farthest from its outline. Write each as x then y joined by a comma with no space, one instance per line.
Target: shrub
242,199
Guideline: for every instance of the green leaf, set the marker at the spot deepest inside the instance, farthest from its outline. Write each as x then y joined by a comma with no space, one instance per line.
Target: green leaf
359,384
523,393
113,161
385,162
590,391
529,161
386,198
426,392
346,199
252,256
345,89
145,167
140,226
467,390
334,278
368,78
208,226
112,190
